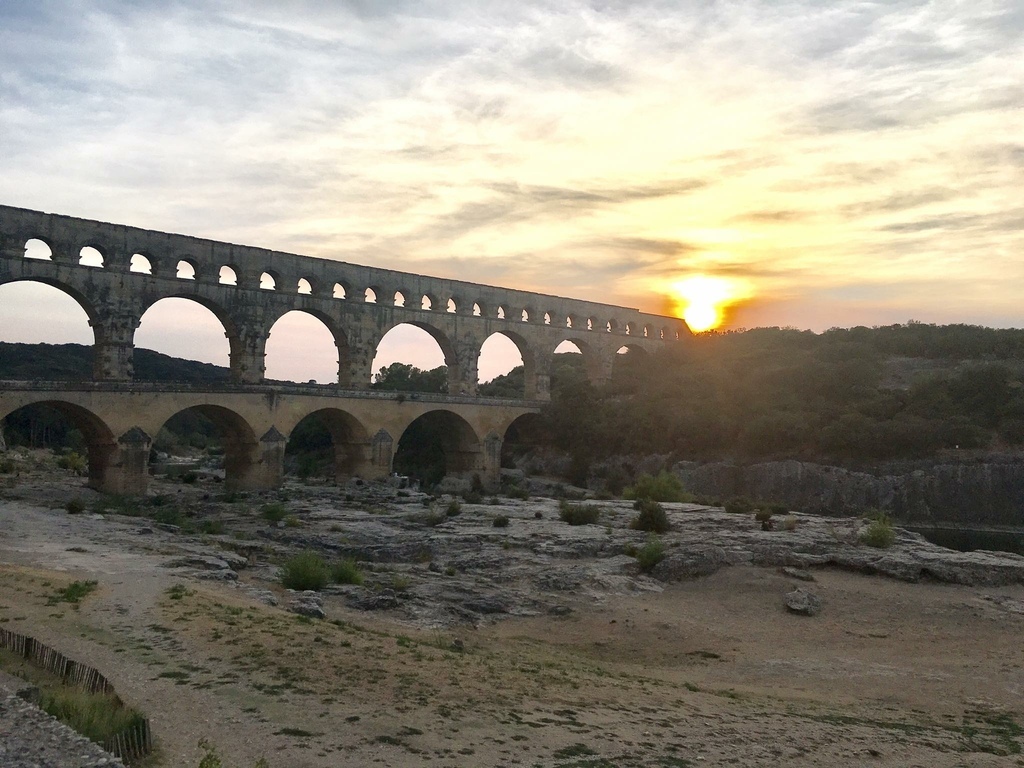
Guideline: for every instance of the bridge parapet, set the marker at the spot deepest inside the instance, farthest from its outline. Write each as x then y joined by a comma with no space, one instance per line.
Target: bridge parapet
250,288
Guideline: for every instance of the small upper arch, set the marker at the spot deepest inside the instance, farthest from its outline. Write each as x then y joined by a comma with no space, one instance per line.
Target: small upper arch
92,256
478,309
340,291
452,306
428,302
269,281
38,248
400,298
141,264
305,286
227,275
370,294
186,269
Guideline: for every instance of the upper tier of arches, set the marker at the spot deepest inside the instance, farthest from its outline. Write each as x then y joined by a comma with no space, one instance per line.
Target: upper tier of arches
116,273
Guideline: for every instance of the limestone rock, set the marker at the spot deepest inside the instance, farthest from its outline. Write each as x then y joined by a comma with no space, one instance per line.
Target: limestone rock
308,603
803,602
797,573
689,563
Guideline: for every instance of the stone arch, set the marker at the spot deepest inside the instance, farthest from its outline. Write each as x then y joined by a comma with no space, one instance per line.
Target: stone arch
627,358
101,443
92,256
592,361
519,435
242,460
371,294
451,306
547,317
38,248
437,444
526,353
337,334
235,347
611,326
428,302
400,300
305,286
228,275
141,264
478,309
451,360
340,291
648,331
503,312
337,432
186,269
83,301
269,281
526,315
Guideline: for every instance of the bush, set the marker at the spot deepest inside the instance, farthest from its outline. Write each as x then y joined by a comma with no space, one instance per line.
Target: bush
189,478
664,487
75,507
346,572
306,570
762,515
7,466
789,523
454,508
73,461
213,527
652,517
879,534
515,492
473,497
650,554
501,521
739,505
578,514
274,513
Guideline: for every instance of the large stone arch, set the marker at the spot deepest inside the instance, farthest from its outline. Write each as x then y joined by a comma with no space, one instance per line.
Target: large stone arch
438,444
336,331
350,441
250,461
102,446
80,298
529,356
597,366
451,359
239,347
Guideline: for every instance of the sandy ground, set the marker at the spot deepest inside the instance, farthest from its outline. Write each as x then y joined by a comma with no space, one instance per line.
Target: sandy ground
708,672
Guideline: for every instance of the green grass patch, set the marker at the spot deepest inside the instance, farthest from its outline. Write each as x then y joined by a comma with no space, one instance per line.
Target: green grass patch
73,593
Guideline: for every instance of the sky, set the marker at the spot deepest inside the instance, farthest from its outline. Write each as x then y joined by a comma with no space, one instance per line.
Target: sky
809,164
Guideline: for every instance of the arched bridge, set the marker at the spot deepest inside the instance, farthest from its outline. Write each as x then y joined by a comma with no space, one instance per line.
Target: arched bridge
117,272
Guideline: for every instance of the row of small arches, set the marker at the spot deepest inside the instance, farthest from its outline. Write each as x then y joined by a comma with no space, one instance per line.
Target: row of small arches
186,269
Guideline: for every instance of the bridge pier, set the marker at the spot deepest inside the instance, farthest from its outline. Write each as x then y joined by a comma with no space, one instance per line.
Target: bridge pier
121,468
258,467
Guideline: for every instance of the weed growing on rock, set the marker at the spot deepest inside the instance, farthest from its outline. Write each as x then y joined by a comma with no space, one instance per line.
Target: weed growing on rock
346,572
274,512
454,508
789,523
650,554
306,570
578,514
664,487
75,507
879,534
652,517
501,521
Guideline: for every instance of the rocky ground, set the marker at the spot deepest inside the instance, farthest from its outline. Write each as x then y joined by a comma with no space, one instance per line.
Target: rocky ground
538,643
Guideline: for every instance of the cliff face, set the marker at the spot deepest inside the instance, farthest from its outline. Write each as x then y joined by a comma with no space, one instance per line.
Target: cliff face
989,493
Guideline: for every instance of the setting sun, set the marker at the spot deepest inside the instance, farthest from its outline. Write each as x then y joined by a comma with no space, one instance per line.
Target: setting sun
701,300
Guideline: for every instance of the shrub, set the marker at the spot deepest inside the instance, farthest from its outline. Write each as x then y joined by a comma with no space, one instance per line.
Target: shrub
789,523
274,513
73,461
473,497
776,509
650,554
189,478
346,572
879,534
75,507
739,505
501,521
664,487
213,527
652,517
7,466
293,522
578,514
306,570
454,508
538,515
73,593
515,492
762,515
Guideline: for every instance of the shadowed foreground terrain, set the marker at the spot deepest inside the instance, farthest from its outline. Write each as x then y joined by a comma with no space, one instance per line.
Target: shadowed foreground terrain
538,643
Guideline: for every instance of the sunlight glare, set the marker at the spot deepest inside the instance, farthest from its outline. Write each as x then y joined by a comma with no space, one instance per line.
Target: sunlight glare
701,300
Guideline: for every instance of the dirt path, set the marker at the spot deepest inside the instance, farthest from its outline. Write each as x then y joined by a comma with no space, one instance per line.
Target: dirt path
708,672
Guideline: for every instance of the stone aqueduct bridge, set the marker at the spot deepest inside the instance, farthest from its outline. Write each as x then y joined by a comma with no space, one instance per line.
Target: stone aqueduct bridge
117,272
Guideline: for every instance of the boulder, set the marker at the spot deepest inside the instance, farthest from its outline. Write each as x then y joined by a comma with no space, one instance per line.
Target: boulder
797,573
803,602
308,603
690,563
